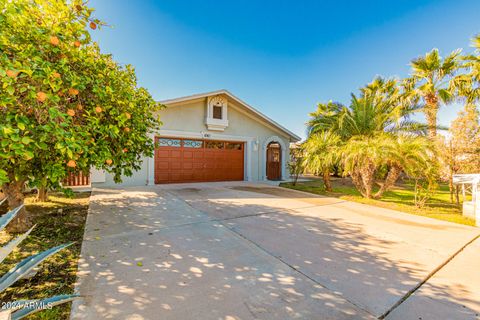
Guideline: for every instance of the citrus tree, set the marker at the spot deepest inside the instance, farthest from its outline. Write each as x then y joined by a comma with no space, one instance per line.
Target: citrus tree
65,106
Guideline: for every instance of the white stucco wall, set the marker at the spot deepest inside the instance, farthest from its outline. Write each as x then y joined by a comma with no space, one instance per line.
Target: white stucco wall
188,120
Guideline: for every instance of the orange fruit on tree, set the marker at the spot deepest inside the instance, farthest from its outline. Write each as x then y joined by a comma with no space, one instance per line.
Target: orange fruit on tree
108,161
98,109
128,115
77,43
71,112
56,75
71,163
54,40
41,96
93,25
126,129
125,150
73,91
79,106
11,73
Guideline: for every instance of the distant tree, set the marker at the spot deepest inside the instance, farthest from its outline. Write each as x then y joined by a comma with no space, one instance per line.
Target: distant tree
295,165
465,135
449,157
64,106
431,75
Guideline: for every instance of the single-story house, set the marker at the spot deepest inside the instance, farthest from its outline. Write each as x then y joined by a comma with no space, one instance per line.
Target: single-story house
212,136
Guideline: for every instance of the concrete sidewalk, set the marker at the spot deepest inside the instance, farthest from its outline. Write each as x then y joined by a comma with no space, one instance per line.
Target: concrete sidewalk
452,293
242,251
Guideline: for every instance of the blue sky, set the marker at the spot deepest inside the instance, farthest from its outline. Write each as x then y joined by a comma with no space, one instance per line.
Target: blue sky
282,57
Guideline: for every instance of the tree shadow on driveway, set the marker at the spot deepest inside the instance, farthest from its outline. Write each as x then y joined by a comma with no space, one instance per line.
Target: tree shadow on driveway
177,258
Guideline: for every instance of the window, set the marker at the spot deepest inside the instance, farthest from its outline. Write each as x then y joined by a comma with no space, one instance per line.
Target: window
217,112
163,142
192,144
234,146
214,144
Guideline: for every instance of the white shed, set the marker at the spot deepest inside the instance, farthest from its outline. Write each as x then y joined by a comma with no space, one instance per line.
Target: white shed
470,184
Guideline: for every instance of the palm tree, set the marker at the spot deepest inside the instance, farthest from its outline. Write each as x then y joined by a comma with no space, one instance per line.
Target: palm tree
321,154
383,106
467,84
376,131
361,157
431,75
411,154
325,117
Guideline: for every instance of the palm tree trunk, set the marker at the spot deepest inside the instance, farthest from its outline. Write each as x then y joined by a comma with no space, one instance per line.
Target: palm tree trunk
457,194
327,182
392,177
14,193
368,174
357,181
450,184
431,111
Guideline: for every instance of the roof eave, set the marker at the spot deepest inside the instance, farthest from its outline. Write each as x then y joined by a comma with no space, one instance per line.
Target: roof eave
293,137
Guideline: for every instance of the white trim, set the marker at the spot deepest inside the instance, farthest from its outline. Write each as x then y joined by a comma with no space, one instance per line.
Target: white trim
97,175
282,160
151,165
248,153
202,135
293,137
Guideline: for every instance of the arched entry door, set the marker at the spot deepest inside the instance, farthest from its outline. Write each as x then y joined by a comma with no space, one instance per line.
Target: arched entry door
274,154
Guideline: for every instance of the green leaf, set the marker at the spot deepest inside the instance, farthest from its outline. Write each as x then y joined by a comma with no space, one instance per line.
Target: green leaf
7,130
28,155
26,140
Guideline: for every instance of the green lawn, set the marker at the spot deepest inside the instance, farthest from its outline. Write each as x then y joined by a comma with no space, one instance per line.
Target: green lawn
61,220
400,198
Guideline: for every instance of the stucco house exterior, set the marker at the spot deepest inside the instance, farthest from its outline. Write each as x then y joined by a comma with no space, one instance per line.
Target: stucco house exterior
212,136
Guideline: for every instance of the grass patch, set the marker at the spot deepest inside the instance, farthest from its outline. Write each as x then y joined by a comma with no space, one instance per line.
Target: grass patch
61,220
400,198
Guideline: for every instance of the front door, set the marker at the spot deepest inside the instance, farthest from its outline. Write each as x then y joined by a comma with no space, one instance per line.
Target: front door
274,161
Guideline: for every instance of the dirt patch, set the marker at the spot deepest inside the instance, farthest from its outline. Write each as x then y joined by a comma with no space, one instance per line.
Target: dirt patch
59,221
188,190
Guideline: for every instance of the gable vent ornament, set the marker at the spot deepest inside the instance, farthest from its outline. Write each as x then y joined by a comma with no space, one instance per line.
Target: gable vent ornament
217,118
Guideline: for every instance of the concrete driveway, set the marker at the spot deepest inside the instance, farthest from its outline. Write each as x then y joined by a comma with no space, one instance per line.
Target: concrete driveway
245,251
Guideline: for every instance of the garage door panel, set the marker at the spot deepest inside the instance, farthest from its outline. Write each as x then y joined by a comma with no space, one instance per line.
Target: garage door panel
198,165
176,165
175,154
162,165
198,155
188,165
206,161
163,154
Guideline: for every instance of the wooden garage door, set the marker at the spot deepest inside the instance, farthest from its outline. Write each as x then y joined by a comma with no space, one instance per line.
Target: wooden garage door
188,160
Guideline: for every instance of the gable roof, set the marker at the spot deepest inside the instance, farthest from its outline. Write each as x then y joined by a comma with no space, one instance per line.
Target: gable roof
292,135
